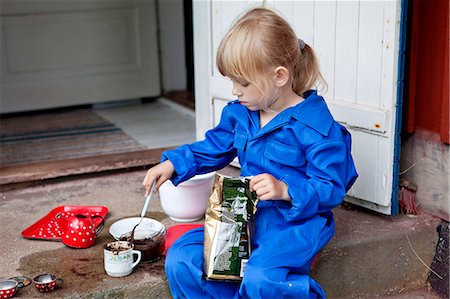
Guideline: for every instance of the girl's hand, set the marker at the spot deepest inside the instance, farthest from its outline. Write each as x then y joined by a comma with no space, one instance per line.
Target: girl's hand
161,172
268,187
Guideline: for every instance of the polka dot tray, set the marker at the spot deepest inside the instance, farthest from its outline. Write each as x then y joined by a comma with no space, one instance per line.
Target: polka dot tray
52,226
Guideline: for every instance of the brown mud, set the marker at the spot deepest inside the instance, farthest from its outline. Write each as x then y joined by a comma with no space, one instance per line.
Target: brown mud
81,269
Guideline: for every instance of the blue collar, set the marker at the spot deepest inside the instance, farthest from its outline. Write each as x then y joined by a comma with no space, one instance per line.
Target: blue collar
314,113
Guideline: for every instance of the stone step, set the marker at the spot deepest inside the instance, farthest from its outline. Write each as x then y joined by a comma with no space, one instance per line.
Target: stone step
370,256
375,255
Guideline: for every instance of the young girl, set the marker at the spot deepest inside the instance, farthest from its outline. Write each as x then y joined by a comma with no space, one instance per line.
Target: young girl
286,138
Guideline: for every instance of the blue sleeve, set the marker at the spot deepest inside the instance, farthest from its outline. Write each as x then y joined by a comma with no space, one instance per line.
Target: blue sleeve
214,152
330,173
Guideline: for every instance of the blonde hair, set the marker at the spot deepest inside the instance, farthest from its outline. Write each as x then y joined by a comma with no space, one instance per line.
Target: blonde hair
261,40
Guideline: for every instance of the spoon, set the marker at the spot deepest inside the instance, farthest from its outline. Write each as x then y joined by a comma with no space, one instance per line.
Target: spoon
144,210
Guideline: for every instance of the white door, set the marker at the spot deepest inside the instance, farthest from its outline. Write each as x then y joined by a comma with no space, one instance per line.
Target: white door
357,43
61,53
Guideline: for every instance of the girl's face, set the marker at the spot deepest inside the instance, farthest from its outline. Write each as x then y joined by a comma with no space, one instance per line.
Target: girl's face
250,95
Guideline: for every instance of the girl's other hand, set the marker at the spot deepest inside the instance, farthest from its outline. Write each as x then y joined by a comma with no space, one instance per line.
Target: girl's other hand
268,187
161,173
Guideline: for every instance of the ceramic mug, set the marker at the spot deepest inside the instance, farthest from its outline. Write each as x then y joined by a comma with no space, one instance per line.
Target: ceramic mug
119,257
9,288
46,282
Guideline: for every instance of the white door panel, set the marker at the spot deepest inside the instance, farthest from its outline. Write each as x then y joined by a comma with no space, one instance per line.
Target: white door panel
357,45
370,45
366,118
345,50
47,46
324,43
65,53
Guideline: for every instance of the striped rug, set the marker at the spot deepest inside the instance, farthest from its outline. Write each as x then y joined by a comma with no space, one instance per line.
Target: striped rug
59,136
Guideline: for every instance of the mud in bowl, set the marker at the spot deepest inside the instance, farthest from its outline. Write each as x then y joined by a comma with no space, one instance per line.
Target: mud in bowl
149,237
150,243
119,258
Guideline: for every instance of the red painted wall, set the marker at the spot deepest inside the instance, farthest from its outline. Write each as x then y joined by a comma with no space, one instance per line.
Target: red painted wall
445,106
429,96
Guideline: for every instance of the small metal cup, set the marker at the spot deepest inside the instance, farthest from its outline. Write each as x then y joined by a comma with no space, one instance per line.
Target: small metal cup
46,282
9,287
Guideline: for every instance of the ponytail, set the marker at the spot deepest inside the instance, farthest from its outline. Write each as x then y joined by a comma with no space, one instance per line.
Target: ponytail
307,73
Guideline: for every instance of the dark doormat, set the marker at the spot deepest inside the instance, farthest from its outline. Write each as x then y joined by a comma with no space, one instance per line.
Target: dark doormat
46,146
59,136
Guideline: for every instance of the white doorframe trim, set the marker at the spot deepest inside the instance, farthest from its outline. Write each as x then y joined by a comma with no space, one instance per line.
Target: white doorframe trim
203,62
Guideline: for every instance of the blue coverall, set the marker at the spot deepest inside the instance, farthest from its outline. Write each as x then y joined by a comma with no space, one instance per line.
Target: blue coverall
303,147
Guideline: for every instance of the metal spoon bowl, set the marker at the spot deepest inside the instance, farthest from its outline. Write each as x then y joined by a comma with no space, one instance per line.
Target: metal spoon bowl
144,210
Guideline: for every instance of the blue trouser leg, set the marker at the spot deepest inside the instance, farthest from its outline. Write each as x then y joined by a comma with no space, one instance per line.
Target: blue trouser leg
260,282
184,269
278,267
282,256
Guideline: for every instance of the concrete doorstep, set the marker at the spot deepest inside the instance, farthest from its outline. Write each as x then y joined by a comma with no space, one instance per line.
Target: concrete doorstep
370,256
373,255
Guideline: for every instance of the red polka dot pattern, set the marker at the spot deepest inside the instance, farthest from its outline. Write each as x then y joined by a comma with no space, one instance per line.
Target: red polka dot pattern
54,224
7,293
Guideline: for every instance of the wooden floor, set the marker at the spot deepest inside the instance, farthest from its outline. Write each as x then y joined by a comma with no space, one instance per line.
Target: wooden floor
158,125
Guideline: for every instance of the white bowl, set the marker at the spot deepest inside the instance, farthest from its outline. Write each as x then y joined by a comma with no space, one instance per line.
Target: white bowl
188,201
123,226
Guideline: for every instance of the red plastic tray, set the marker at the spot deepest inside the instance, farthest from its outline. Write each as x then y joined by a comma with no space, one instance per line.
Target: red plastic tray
52,226
176,231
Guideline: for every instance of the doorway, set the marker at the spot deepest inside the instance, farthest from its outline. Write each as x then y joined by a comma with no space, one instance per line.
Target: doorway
128,133
425,129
